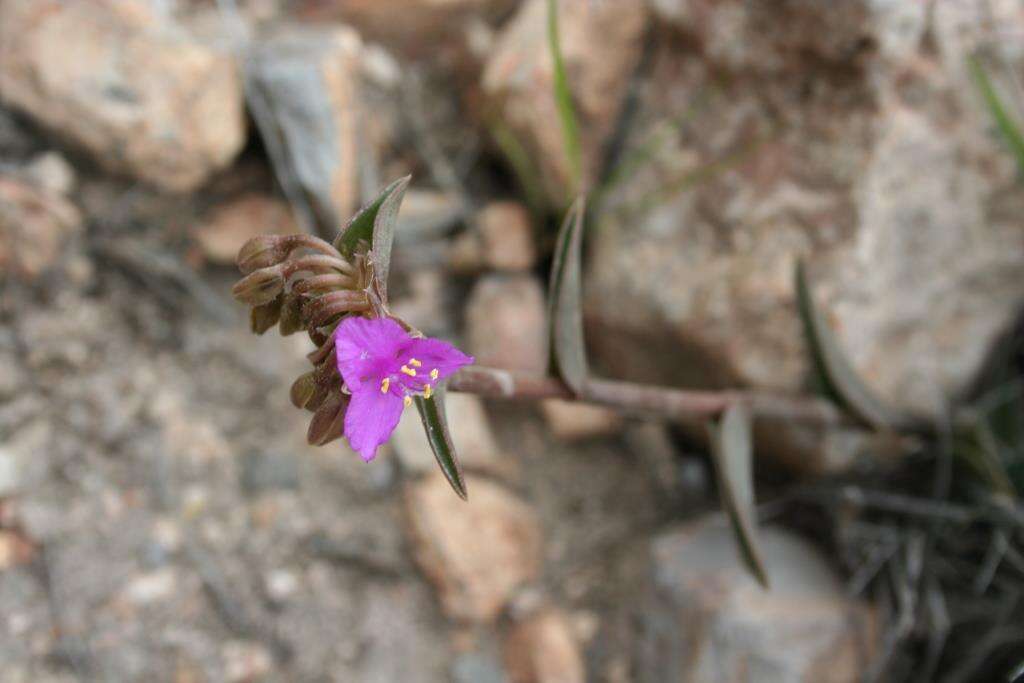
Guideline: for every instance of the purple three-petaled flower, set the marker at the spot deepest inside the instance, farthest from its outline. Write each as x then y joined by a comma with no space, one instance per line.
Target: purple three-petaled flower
383,367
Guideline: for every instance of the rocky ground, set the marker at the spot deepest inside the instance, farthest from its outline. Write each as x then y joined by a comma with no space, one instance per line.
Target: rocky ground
161,516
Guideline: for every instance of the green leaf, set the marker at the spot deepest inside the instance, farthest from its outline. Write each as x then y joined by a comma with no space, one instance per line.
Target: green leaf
436,427
733,453
363,226
834,370
1004,121
565,307
384,233
563,99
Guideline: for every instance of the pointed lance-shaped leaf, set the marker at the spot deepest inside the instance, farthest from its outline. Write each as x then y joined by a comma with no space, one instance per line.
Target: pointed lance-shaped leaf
565,304
384,234
374,225
841,381
732,452
436,427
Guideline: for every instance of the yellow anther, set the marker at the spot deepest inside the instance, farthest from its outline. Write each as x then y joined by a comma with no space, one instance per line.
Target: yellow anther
426,391
384,385
434,373
407,401
407,370
415,363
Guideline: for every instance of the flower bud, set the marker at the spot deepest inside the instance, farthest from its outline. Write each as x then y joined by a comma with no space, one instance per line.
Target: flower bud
302,390
262,318
291,315
263,251
260,287
328,421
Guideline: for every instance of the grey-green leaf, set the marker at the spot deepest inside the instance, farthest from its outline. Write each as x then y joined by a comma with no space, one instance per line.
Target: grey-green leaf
565,306
733,454
436,427
835,371
362,227
384,233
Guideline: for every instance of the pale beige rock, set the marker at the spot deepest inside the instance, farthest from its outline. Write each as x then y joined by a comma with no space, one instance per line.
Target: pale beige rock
505,321
417,28
601,44
500,238
571,421
232,224
706,619
690,280
476,553
124,83
51,171
543,649
35,223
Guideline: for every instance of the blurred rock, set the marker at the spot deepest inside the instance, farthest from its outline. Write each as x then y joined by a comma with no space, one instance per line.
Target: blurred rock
124,83
151,587
576,421
477,667
470,431
52,172
705,618
505,323
280,585
806,153
518,79
399,639
426,301
501,238
263,472
15,550
417,28
543,649
426,215
306,81
35,224
24,460
246,661
230,225
476,553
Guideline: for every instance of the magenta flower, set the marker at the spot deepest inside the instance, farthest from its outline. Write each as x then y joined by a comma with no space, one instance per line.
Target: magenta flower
383,367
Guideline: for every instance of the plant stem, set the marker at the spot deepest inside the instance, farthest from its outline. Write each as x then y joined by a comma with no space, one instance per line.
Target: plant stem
647,399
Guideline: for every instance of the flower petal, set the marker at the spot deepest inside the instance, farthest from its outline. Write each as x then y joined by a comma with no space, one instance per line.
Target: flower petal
370,418
364,349
435,354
